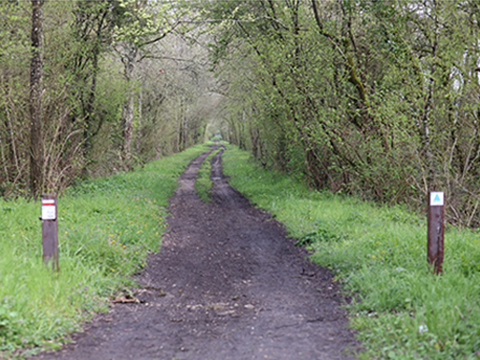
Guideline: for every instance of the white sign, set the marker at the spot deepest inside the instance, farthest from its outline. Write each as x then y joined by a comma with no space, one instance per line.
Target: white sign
436,198
49,210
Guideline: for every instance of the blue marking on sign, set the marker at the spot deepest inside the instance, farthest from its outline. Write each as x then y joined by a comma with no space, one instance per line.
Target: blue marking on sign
437,198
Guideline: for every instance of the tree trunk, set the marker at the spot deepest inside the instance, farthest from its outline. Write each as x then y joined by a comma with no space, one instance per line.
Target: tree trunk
88,114
128,126
5,167
185,128
180,128
140,131
127,114
36,69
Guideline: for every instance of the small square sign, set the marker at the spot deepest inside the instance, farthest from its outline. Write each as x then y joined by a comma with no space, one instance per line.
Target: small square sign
436,198
49,210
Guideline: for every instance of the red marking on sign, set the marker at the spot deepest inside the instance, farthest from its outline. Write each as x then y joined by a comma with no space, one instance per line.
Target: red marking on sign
48,202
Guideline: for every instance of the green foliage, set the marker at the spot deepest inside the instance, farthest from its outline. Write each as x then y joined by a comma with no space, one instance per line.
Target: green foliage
141,21
85,88
107,227
400,309
13,34
319,235
373,98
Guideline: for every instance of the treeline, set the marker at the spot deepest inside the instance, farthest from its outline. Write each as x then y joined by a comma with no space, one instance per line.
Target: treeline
93,87
374,98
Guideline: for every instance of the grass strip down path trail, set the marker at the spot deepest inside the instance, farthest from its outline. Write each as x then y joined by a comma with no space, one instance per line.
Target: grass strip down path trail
227,284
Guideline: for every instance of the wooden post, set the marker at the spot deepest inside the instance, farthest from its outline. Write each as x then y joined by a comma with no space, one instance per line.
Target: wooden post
436,227
50,230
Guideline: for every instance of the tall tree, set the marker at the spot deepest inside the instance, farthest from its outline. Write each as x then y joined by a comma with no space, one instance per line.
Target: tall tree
92,29
143,23
36,74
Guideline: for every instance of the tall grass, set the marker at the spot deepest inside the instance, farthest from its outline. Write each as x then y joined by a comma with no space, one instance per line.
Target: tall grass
107,227
401,310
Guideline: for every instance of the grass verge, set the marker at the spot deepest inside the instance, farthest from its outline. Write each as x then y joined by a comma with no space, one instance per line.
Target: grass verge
203,183
106,229
401,310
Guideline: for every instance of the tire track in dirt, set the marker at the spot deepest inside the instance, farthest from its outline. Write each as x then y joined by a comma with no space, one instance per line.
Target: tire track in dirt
226,284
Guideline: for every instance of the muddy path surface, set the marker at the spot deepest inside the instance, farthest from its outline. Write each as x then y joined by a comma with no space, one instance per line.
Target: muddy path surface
227,284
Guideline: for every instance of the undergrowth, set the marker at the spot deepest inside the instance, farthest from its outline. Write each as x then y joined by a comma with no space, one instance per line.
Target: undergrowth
400,309
106,229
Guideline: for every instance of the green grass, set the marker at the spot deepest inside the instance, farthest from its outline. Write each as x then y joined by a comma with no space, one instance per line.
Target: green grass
106,229
203,184
401,310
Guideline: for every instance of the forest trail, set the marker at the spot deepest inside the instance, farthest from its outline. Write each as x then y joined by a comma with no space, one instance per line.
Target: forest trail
227,284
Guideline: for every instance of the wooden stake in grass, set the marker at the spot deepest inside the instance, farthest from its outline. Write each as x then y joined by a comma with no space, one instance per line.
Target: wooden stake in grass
435,230
50,230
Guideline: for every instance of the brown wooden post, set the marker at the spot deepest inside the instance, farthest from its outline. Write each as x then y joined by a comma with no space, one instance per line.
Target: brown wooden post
50,230
436,227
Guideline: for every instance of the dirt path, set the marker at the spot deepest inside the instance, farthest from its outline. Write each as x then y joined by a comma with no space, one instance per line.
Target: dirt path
227,284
